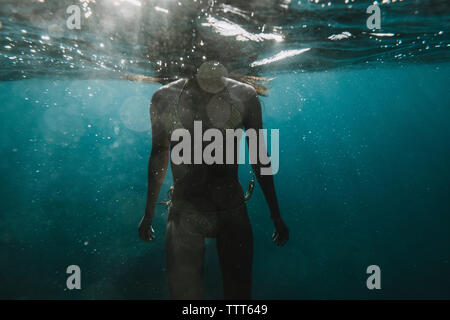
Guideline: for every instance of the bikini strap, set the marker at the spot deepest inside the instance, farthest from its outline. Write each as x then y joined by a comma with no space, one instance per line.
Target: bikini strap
235,119
174,118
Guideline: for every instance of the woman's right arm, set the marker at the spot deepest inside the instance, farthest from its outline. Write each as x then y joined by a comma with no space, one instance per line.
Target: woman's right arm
157,164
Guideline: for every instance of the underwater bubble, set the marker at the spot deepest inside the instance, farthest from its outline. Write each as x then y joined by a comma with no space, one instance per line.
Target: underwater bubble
218,111
211,76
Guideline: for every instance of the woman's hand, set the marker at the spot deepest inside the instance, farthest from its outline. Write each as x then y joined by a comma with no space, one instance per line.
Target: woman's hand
146,231
281,233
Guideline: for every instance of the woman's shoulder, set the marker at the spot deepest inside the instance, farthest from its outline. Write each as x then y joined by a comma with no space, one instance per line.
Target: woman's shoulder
166,95
170,88
240,89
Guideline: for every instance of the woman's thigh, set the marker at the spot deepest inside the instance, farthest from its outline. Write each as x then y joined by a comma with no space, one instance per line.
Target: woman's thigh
185,251
235,248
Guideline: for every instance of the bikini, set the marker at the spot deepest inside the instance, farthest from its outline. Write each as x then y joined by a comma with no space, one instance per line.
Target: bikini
204,222
187,228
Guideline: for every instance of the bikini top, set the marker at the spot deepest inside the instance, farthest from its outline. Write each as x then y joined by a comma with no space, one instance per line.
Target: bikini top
234,121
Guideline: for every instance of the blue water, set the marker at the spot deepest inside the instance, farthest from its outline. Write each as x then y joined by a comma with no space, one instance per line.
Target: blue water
364,143
364,179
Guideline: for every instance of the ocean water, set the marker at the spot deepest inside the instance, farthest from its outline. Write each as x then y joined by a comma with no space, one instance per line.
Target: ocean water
364,148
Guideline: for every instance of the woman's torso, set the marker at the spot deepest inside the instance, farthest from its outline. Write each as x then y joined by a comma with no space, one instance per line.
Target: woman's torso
201,186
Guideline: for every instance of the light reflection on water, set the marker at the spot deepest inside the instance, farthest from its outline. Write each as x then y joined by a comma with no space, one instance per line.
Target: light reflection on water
166,37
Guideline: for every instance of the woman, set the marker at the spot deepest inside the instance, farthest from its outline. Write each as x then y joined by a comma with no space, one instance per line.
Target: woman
207,200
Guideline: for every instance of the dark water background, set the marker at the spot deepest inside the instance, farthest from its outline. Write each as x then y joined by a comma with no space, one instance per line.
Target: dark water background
364,149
